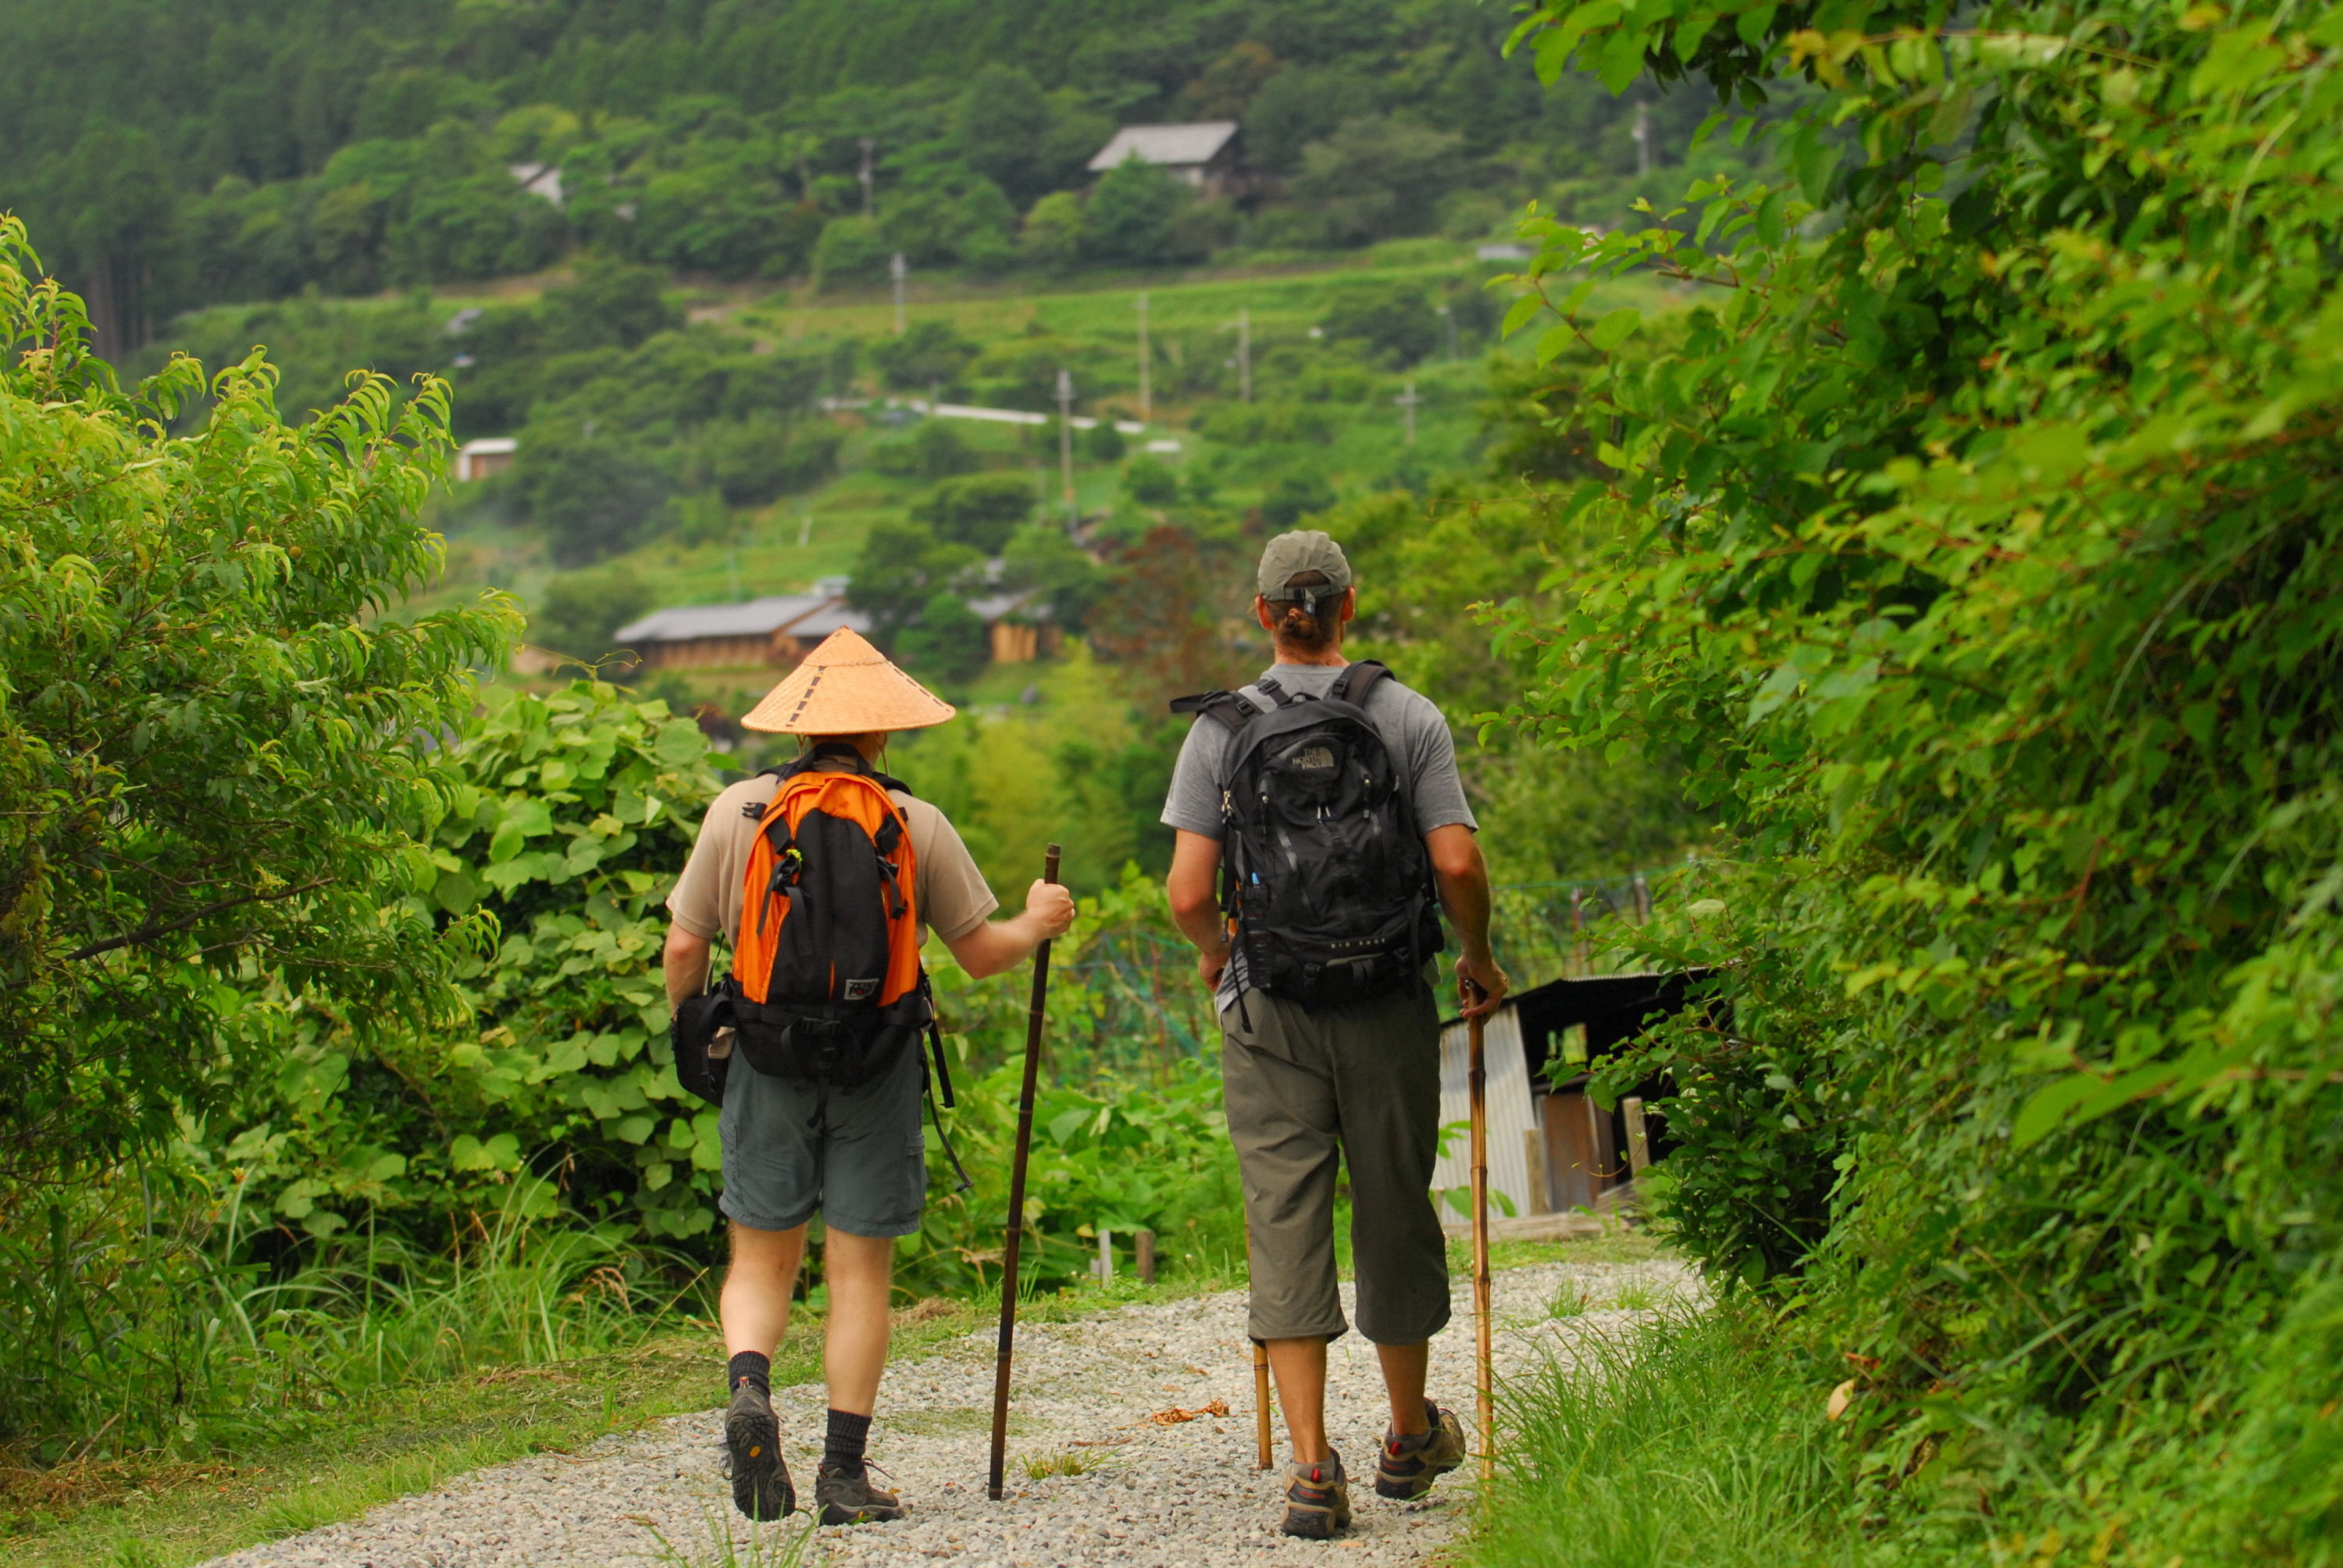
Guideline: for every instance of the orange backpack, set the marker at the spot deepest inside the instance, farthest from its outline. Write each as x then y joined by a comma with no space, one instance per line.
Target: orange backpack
826,985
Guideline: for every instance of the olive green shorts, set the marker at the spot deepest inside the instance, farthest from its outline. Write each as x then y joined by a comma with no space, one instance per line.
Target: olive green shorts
864,1169
1358,1083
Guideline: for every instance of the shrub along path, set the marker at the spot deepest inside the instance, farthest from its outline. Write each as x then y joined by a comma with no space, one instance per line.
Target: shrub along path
1101,1471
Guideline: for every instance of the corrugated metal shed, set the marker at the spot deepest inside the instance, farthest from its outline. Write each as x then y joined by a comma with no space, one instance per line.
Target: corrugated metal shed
1175,146
1510,1113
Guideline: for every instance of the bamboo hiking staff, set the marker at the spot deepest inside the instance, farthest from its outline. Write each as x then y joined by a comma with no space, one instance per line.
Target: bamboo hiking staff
1260,1379
1477,1082
1017,1201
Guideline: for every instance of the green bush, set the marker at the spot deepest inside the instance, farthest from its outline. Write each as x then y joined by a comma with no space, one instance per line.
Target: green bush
1130,216
608,306
594,493
851,253
928,353
948,644
1102,443
1149,481
2005,637
215,747
980,511
756,460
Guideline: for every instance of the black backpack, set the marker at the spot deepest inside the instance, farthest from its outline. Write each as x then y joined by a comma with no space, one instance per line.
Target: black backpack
1323,871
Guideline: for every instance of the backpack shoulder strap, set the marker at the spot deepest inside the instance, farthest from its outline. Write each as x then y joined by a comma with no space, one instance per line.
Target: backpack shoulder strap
1353,684
832,751
1233,708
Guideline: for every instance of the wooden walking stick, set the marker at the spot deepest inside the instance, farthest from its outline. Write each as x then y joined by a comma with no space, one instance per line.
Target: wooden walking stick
1477,1082
1017,1201
1260,1379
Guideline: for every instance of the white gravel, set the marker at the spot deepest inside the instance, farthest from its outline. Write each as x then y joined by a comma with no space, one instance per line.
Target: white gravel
1178,1494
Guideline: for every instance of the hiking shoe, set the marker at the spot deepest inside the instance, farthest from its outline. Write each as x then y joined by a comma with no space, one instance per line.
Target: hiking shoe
852,1499
1410,1465
1317,1499
752,1454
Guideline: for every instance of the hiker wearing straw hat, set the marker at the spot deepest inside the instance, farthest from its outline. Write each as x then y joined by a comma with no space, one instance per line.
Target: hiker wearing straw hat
824,877
1324,800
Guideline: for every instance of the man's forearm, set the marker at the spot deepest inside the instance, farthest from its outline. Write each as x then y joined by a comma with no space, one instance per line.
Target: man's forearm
1204,928
1461,875
1466,899
684,965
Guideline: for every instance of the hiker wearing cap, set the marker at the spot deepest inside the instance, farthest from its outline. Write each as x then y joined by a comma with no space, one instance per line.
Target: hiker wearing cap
1319,825
824,877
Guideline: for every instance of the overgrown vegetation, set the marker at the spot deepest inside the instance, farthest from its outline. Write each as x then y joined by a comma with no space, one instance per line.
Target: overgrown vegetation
1973,549
214,760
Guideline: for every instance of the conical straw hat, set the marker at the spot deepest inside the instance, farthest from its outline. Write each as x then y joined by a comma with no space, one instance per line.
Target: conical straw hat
846,687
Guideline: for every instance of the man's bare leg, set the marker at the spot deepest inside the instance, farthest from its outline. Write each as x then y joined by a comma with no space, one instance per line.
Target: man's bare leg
1300,1368
755,1302
860,1273
1405,1369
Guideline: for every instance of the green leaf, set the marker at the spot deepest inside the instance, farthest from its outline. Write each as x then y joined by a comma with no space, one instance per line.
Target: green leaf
1616,328
2050,1105
680,743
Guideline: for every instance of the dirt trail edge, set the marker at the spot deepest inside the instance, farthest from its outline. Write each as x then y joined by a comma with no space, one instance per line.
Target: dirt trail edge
1101,1395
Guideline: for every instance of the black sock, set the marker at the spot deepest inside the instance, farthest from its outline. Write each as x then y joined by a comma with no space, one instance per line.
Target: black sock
1404,1441
849,1434
749,1367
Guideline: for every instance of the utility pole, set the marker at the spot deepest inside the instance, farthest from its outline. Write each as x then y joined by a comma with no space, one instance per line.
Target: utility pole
1066,446
1407,401
805,529
869,203
898,271
1643,134
1146,408
1448,316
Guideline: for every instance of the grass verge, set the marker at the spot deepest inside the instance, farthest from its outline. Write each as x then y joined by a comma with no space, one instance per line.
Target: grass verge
1696,1439
156,1514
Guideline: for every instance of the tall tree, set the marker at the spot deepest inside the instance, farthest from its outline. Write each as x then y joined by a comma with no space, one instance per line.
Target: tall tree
216,756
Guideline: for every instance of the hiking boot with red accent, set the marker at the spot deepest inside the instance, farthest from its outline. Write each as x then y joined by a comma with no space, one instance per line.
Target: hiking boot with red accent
1410,1465
1317,1499
752,1454
842,1499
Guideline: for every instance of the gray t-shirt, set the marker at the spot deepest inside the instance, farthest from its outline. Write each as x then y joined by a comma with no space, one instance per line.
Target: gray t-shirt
1414,732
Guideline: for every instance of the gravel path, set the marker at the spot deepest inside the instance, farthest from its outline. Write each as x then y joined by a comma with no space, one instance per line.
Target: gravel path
1152,1492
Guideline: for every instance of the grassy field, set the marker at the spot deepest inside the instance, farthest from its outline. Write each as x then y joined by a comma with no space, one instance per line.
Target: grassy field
152,1513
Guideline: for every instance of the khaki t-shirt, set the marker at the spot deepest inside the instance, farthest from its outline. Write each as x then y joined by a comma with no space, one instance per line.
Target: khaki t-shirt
946,885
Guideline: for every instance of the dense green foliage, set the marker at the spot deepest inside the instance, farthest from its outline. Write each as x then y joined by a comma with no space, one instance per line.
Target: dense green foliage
1975,548
215,756
192,152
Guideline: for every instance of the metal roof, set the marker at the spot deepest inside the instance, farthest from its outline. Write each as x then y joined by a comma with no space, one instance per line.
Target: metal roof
1198,142
1000,606
757,618
834,614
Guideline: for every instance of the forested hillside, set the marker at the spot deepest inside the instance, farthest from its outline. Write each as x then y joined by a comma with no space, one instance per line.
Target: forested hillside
167,154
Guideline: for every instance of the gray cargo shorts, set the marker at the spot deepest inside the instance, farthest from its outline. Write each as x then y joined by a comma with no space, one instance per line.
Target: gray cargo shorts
1361,1083
867,1174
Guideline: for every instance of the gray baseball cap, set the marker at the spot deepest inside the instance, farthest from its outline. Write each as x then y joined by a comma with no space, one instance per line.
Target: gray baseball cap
1289,556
